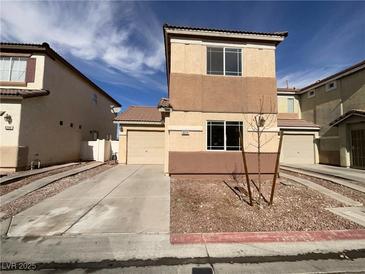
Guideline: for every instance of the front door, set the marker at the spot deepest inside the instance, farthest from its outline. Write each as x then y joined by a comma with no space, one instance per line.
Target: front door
358,148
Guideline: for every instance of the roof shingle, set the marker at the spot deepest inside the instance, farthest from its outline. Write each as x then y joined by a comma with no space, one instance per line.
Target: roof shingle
25,93
296,123
140,114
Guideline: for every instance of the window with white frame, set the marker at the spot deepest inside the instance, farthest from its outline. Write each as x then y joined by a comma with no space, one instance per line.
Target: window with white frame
311,93
331,86
223,135
13,69
224,61
290,105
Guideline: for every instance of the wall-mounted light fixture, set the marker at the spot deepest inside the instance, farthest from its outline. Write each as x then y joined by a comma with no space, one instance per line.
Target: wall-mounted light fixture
185,132
8,118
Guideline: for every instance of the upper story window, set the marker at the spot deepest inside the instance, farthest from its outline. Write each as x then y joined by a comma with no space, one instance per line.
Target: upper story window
331,86
311,93
224,61
223,135
290,105
13,69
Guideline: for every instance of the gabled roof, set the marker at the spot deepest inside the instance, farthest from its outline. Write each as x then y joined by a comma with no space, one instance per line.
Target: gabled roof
45,48
23,93
140,114
353,112
338,75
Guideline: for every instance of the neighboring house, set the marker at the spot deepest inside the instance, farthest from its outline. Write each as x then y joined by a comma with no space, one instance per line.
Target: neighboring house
47,107
337,105
218,80
299,139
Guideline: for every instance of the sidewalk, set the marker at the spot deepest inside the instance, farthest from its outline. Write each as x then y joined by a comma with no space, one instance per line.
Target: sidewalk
106,250
351,174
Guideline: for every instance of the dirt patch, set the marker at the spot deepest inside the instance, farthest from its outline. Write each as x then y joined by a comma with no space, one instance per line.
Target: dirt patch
209,205
22,203
6,188
345,191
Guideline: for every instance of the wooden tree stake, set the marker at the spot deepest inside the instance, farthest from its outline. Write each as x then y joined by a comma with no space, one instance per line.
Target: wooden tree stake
276,168
245,166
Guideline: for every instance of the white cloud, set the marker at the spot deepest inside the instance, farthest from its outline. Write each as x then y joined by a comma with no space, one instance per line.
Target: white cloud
119,35
302,78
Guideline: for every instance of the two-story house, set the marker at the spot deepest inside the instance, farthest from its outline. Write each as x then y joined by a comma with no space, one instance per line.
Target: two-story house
47,107
300,135
337,105
218,81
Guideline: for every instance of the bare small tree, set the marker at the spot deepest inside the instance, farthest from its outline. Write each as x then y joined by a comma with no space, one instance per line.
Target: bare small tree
259,124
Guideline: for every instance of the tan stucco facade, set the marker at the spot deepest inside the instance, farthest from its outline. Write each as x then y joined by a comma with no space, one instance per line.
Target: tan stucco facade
283,105
37,120
327,105
195,124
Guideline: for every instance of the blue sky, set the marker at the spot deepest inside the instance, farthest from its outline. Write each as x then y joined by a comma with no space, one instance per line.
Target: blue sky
119,45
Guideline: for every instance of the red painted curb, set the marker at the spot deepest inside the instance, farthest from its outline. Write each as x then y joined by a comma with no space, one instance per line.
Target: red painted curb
267,237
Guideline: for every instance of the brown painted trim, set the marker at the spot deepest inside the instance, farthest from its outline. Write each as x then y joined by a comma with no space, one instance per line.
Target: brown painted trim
15,84
222,162
7,54
30,73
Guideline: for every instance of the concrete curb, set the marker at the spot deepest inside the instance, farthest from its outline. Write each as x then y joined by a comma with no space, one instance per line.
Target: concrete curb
125,250
24,174
267,237
33,186
325,191
171,261
335,180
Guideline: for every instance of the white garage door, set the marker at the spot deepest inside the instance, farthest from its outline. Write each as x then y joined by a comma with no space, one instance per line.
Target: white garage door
297,149
145,147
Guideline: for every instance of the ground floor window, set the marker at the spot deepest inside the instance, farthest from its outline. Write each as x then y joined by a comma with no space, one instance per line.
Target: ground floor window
223,135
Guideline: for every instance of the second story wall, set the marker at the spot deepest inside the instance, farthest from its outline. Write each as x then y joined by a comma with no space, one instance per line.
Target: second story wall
324,105
288,106
191,88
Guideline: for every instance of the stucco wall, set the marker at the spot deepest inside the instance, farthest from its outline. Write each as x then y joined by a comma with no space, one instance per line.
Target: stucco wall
196,124
326,106
190,56
9,135
283,104
191,88
70,101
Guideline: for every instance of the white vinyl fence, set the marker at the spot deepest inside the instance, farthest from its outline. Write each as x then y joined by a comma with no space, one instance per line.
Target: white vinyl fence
99,150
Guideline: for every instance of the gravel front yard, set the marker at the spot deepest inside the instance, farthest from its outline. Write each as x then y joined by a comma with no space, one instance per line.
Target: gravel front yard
209,205
18,205
348,192
6,188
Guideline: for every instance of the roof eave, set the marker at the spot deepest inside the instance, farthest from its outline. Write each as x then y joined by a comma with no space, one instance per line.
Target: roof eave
228,35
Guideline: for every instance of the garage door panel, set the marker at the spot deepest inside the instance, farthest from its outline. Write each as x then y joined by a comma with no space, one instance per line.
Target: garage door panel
297,149
145,147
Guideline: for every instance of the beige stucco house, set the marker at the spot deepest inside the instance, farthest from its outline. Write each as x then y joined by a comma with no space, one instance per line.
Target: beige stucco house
47,107
299,135
337,105
218,80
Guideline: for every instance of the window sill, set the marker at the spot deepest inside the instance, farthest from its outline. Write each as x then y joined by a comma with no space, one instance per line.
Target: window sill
15,84
218,75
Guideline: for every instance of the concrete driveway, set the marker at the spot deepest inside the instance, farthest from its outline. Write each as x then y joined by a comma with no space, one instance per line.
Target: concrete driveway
123,199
